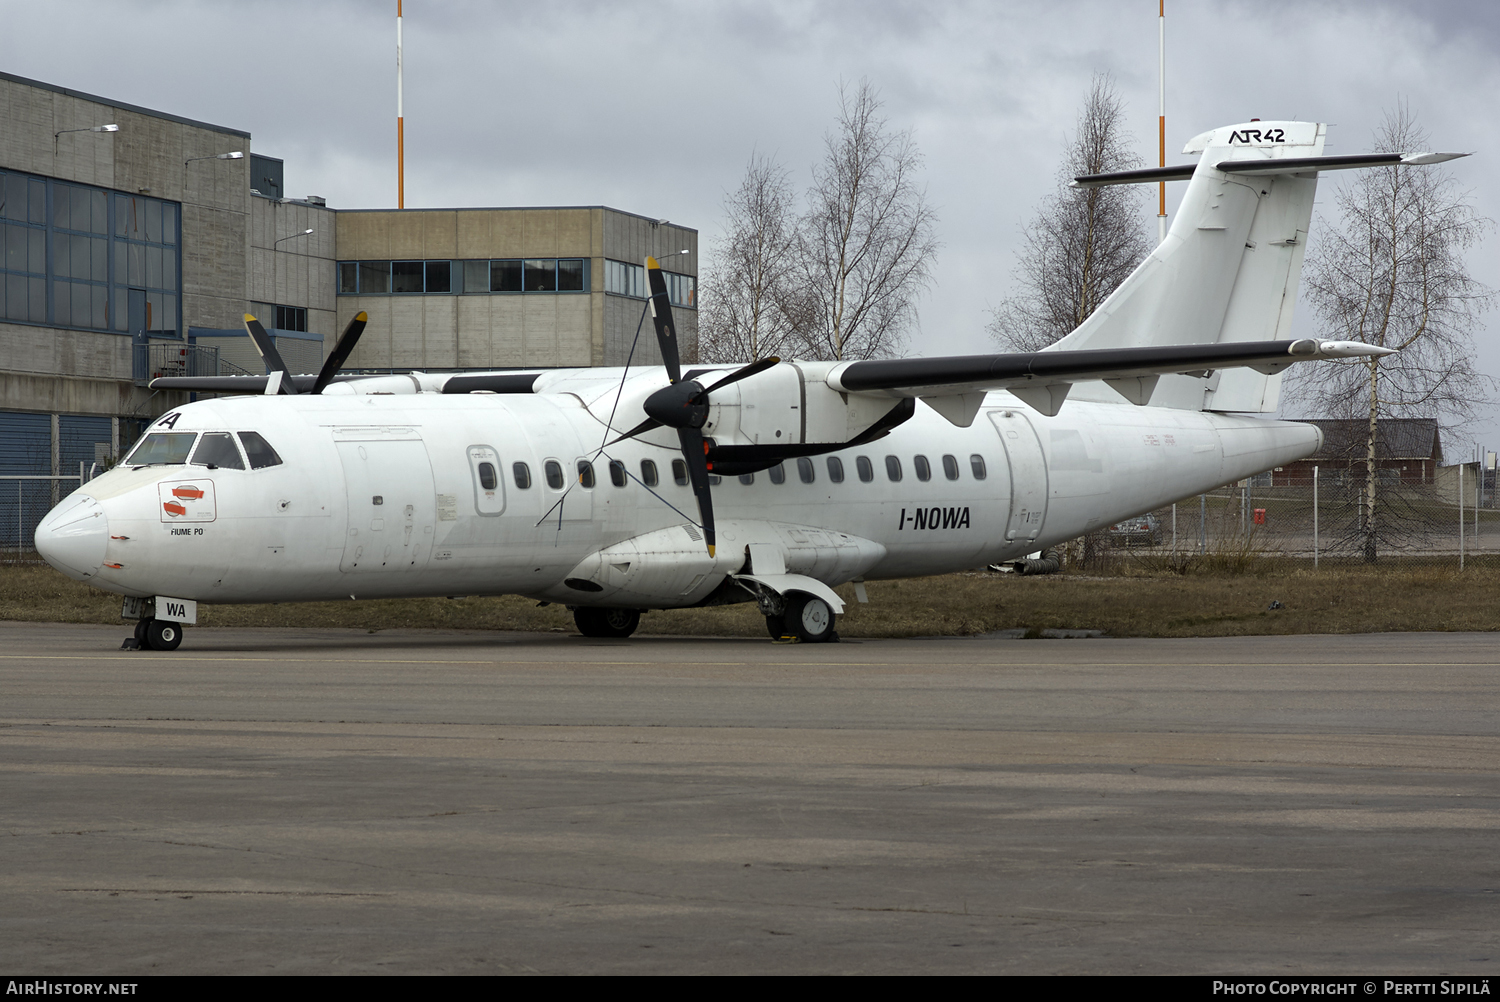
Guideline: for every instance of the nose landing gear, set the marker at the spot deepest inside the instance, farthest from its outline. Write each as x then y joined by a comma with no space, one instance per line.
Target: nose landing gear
154,635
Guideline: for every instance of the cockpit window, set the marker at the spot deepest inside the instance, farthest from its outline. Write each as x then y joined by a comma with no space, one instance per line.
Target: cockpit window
216,449
162,448
259,450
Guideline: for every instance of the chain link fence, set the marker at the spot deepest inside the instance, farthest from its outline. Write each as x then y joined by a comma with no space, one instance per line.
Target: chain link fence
1328,524
24,502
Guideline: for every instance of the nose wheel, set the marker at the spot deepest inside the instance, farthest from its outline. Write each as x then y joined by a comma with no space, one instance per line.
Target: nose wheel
157,635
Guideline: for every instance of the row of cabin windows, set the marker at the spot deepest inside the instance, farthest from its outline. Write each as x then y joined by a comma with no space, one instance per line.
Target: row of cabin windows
489,477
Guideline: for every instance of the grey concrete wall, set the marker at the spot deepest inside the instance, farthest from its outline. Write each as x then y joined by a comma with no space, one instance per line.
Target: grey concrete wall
631,238
475,330
300,271
145,157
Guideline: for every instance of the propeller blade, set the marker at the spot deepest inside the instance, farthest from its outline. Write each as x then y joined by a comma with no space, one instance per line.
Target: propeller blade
341,350
269,354
661,316
644,426
695,453
745,372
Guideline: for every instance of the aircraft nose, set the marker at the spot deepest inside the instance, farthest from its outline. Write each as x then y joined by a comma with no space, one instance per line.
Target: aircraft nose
73,537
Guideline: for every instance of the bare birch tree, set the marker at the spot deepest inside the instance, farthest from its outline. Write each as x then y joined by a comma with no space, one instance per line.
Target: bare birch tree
748,309
1391,272
866,244
1083,242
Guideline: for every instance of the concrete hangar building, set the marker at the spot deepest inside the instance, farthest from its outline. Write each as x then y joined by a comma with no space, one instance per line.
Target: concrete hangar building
135,240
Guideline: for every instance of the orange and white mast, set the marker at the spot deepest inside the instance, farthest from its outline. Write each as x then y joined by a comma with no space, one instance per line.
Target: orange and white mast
1161,45
401,123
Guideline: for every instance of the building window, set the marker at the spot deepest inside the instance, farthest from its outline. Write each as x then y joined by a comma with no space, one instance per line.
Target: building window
624,279
505,276
114,257
376,278
407,277
282,318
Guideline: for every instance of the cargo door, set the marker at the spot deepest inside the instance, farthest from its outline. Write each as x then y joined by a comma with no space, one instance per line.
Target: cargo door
391,503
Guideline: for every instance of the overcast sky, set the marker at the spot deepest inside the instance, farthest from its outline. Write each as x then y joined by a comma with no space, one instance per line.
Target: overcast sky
656,107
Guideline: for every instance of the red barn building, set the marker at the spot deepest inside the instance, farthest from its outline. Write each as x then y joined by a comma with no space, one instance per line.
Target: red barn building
1407,451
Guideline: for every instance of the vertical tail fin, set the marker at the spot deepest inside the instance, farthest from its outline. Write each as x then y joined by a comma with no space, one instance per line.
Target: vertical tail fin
1228,269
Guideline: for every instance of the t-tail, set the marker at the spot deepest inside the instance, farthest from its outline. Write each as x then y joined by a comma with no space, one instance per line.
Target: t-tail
1229,267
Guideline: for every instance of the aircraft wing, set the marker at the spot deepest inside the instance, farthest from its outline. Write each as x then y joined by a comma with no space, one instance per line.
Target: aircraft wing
1042,378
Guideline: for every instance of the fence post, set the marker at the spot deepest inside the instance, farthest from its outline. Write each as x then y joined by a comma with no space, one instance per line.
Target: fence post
1460,516
1202,524
1174,527
1315,518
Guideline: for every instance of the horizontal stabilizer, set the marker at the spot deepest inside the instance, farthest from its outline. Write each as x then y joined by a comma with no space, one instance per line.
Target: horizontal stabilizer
1261,167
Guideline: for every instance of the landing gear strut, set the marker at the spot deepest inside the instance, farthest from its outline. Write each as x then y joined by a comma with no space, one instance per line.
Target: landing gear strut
616,623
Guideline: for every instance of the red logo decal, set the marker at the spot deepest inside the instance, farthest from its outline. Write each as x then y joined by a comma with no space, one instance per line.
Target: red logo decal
191,493
173,508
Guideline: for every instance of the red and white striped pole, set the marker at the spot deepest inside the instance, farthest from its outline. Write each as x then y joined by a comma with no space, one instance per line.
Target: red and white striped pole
1161,32
401,123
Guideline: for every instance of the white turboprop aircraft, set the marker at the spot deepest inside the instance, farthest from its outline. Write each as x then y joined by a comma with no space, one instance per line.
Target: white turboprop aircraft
771,482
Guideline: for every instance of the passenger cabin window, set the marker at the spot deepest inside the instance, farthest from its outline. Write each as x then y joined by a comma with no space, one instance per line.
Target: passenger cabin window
806,472
586,474
617,473
747,479
866,470
679,473
258,450
976,463
893,469
923,468
778,474
554,474
835,469
648,473
950,467
522,474
217,450
162,448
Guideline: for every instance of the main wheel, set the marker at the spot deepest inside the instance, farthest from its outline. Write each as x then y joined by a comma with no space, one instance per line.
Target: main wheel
810,618
776,626
163,634
617,623
141,630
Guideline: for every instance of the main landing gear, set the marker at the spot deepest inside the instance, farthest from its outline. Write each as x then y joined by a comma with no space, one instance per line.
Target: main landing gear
156,635
807,618
615,623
